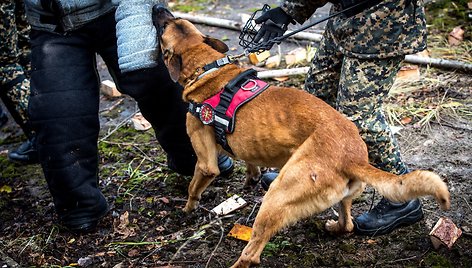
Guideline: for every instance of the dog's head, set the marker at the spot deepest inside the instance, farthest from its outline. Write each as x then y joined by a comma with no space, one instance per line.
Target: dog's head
176,36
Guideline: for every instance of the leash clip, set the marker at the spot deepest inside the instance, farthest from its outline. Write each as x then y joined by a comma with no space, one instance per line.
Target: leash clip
223,61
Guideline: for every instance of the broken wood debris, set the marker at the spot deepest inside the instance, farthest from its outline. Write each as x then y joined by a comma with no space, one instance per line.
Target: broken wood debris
258,57
445,232
229,205
108,88
315,37
409,72
140,123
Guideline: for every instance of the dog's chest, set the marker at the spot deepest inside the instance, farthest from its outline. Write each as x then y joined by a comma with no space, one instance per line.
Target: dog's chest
220,109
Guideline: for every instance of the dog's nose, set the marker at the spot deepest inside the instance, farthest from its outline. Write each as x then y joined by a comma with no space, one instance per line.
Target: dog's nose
158,9
160,15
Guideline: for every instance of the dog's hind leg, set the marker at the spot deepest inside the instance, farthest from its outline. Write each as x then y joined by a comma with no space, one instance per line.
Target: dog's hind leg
301,190
344,223
253,174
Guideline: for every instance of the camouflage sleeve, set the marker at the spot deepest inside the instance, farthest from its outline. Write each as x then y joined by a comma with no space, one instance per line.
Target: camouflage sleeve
8,33
301,10
388,29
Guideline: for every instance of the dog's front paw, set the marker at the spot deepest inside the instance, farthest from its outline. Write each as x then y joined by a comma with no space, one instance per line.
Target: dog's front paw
190,206
243,263
251,182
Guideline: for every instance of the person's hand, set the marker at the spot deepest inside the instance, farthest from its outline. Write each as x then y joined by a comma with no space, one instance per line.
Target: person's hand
275,24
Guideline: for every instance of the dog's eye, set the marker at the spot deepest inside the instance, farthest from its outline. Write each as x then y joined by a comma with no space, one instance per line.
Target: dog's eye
166,52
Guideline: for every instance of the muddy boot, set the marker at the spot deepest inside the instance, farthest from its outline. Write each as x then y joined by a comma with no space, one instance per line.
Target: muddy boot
387,216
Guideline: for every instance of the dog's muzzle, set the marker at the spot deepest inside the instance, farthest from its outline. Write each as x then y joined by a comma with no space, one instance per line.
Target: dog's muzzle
160,16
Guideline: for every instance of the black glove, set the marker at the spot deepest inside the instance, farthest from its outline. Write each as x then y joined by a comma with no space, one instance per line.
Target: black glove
275,24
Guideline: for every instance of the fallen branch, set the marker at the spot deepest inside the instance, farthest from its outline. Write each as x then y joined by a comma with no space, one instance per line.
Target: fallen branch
283,72
235,25
439,63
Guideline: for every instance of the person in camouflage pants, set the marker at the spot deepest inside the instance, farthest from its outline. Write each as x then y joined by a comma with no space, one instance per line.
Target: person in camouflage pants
353,70
14,83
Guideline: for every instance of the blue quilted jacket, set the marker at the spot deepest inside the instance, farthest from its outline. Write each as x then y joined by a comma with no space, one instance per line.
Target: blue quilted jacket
136,35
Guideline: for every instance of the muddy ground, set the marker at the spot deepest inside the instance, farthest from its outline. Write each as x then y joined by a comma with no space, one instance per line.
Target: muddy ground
146,227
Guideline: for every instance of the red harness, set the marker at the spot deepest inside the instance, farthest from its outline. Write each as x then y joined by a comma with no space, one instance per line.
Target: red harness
220,109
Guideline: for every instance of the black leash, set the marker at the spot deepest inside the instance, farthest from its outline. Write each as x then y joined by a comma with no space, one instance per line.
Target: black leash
260,46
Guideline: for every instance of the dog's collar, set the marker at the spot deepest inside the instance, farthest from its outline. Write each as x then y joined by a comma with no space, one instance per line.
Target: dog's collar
211,67
218,63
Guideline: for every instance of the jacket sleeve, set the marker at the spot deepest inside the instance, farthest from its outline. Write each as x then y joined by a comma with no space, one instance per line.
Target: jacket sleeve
136,35
301,10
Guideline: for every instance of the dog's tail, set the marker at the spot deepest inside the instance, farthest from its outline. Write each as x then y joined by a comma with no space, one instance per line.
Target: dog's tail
401,188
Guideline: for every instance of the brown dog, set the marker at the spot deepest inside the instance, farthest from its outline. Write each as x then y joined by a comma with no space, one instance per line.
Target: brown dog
322,158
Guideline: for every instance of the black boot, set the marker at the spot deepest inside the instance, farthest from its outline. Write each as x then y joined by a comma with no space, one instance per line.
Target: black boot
387,216
26,153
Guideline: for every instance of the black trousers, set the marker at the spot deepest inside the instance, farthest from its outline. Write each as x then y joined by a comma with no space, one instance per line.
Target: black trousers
64,107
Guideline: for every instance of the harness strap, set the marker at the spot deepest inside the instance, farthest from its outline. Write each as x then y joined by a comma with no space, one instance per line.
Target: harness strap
220,110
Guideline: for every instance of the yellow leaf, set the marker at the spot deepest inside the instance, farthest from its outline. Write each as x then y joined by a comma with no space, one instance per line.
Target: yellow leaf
5,188
240,232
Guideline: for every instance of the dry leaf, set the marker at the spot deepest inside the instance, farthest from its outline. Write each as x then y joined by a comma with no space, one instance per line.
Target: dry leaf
456,36
273,62
425,53
164,200
410,72
133,253
295,56
140,123
121,226
371,241
240,232
281,78
405,120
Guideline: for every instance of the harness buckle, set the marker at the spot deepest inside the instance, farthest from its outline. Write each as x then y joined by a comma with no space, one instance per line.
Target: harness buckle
223,61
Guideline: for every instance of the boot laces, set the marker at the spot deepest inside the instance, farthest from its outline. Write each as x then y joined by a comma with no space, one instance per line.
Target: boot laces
381,206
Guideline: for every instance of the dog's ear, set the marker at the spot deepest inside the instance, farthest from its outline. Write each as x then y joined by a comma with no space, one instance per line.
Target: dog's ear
173,63
216,44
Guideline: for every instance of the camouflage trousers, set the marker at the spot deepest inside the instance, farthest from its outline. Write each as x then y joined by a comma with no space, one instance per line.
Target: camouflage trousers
357,88
14,83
